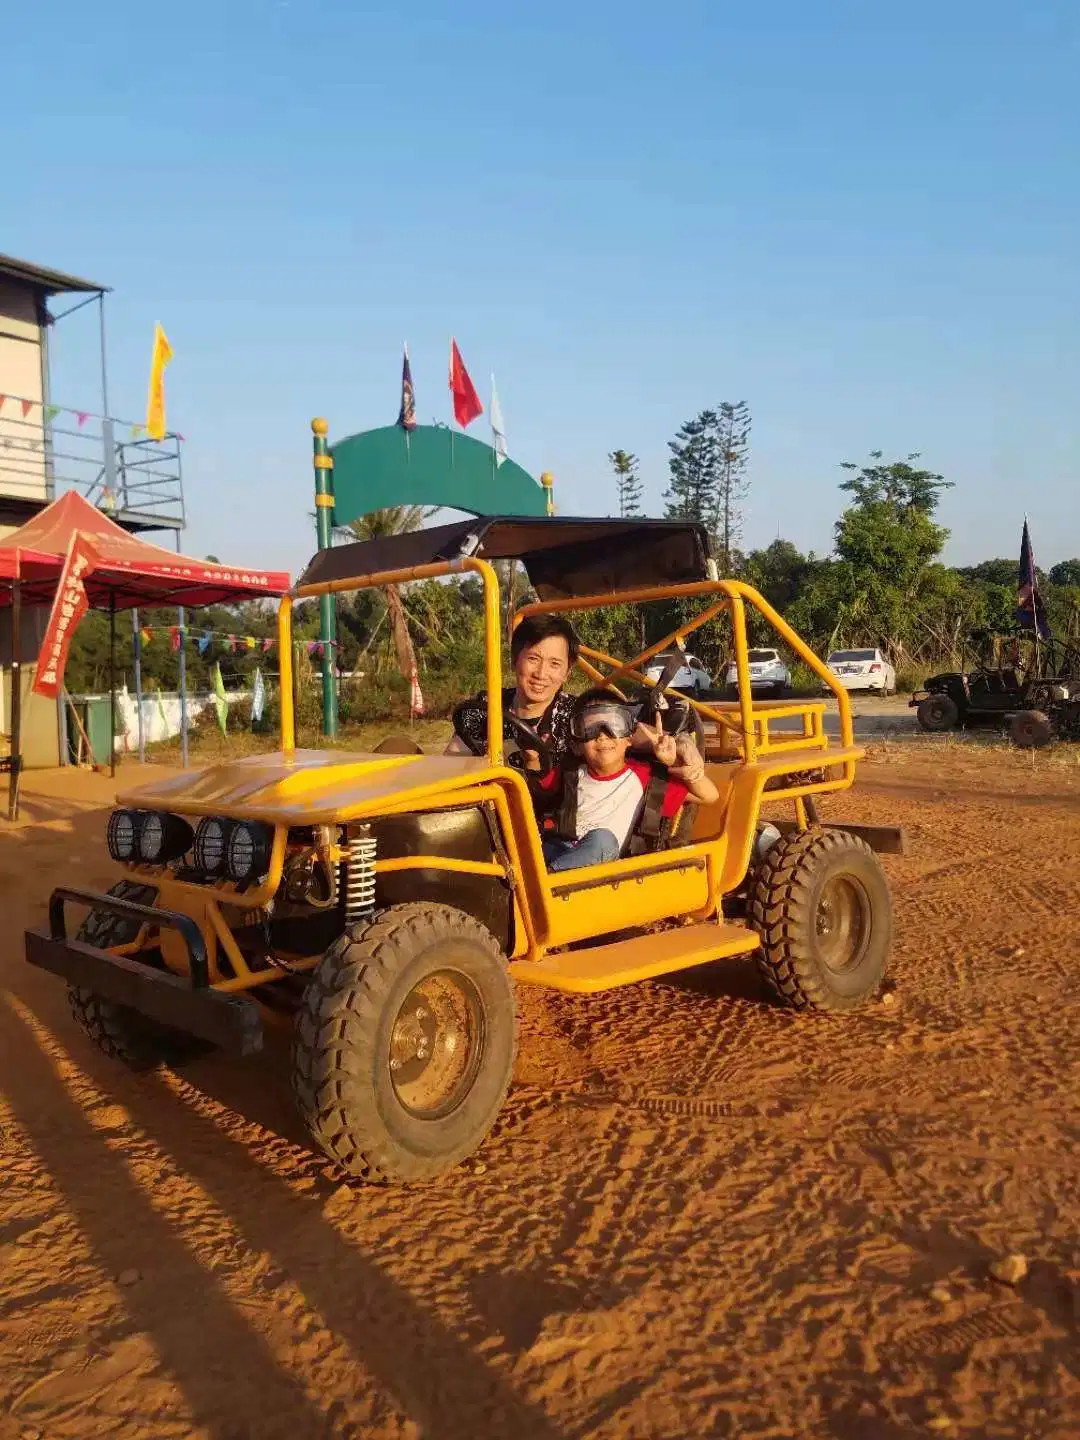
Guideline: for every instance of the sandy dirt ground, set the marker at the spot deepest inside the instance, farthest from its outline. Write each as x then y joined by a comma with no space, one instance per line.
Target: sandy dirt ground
699,1215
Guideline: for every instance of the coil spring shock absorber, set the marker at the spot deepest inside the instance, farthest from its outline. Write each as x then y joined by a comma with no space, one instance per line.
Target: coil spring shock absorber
360,875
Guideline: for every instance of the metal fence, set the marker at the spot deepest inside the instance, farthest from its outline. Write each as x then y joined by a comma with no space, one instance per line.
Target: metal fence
46,450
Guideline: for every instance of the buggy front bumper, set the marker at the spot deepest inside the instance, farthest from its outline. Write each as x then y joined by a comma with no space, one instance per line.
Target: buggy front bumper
183,1003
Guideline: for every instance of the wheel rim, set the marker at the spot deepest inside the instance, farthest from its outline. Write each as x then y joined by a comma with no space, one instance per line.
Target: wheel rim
842,923
436,1044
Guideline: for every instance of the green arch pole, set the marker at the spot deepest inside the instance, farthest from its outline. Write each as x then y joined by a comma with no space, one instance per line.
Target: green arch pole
324,524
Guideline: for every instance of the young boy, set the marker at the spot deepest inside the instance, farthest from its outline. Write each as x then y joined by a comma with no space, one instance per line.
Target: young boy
610,788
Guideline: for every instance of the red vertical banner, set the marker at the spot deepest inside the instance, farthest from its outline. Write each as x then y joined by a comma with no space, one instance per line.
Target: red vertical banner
69,606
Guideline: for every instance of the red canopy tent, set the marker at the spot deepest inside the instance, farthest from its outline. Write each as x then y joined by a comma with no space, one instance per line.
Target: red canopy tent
126,572
131,572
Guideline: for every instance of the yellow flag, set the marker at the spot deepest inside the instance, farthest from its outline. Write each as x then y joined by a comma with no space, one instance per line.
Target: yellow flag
155,404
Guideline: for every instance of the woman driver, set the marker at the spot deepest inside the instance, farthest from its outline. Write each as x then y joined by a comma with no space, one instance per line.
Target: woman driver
543,650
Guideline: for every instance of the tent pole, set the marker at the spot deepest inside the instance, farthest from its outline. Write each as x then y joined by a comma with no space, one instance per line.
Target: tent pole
183,680
112,683
137,634
16,701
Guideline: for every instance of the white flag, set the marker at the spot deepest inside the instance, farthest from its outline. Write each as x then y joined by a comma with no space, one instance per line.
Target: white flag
258,698
498,428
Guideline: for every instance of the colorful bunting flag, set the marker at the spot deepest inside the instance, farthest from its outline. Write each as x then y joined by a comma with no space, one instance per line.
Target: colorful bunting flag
258,698
204,644
221,705
3,398
51,413
146,634
267,644
27,406
82,416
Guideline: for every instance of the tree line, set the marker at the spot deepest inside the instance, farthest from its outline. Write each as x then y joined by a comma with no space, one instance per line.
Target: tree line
883,585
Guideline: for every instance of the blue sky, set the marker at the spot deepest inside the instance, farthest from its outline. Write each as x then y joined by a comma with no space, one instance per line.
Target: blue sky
862,219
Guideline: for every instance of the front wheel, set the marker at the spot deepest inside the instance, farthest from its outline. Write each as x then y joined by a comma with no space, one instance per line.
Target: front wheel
404,1043
118,1031
820,903
938,713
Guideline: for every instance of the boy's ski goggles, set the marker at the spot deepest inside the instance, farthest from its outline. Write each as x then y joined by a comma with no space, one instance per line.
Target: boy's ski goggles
611,720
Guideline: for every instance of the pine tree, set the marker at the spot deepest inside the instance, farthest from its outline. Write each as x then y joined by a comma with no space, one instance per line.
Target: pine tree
733,443
692,494
627,480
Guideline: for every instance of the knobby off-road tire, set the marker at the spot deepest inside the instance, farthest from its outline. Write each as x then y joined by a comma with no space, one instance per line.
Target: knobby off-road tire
118,1031
821,904
937,713
404,1043
1031,729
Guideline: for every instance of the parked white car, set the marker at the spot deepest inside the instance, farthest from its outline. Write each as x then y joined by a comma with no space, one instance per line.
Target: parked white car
691,677
863,670
767,672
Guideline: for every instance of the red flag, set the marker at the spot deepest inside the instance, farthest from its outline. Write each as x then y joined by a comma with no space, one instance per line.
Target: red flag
27,406
68,608
466,401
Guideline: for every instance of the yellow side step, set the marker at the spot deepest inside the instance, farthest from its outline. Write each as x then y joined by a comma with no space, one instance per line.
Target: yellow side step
603,967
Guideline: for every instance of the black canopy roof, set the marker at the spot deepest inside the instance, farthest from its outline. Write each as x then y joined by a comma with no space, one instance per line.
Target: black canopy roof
563,557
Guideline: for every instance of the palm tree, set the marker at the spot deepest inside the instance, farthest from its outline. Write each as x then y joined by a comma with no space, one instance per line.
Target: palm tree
394,520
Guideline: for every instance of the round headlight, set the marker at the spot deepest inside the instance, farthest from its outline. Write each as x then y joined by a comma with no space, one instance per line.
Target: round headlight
122,834
249,851
210,842
163,837
151,837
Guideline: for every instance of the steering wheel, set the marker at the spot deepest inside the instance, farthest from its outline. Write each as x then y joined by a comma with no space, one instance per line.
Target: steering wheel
529,740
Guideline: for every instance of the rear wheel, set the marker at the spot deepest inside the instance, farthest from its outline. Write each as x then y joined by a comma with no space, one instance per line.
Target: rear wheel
118,1031
938,713
1031,729
405,1042
821,904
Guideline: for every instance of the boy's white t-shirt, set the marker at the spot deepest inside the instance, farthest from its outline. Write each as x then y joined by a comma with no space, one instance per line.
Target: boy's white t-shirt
611,802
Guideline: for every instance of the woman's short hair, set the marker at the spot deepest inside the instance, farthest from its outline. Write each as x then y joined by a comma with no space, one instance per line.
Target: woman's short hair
535,628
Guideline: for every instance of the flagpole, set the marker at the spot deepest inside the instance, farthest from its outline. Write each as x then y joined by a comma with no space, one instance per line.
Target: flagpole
137,632
408,451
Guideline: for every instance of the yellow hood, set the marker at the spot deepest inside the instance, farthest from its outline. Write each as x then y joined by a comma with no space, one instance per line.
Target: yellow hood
308,787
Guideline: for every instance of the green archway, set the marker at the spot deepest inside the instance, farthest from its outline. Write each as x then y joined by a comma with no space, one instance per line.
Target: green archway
431,465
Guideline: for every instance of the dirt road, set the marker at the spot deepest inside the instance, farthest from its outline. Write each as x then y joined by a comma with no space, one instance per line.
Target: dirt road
698,1215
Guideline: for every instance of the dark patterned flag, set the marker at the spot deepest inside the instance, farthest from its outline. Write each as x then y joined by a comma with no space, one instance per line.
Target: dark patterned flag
407,415
1030,611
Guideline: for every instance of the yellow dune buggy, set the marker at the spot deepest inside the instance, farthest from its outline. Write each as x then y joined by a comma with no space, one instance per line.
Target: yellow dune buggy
386,905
